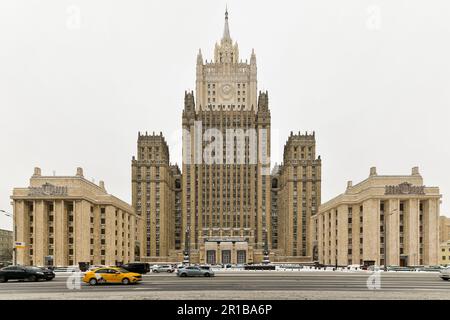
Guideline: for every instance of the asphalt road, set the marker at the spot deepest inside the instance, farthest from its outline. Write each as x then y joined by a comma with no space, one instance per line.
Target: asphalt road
235,283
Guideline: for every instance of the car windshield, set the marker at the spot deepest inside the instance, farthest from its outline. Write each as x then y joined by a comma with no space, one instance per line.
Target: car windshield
122,270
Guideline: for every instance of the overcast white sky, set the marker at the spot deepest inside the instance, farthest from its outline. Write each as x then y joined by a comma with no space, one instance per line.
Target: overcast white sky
80,78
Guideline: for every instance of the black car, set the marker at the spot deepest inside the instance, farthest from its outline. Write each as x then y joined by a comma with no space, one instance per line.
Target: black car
25,273
137,267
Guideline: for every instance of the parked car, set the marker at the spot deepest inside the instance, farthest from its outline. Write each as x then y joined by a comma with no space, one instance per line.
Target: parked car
374,268
48,273
163,268
192,271
205,267
444,273
398,268
137,267
67,269
111,275
431,268
25,273
97,267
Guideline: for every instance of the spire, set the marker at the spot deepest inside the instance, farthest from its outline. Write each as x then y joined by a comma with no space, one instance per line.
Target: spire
199,57
226,30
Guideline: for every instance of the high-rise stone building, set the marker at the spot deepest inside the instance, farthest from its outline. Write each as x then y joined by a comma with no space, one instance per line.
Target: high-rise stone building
226,199
156,198
299,195
227,206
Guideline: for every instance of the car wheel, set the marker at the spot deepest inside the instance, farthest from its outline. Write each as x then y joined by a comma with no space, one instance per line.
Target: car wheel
48,279
169,271
125,281
445,279
32,278
183,275
207,275
3,279
93,282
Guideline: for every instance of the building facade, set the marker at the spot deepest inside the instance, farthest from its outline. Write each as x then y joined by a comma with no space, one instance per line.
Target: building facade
156,195
444,253
444,229
384,220
231,209
444,240
299,196
64,220
6,246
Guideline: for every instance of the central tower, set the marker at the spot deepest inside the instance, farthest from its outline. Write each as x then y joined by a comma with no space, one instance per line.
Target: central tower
226,82
226,160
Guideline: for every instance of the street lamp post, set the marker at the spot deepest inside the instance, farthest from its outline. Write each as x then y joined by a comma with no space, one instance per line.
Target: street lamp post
186,258
266,258
10,215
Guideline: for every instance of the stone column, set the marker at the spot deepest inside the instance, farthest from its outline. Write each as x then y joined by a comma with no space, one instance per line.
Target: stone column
371,230
412,232
233,253
60,234
356,256
342,227
320,238
132,241
332,239
218,254
325,238
40,233
392,218
126,239
22,227
82,231
431,226
110,235
97,235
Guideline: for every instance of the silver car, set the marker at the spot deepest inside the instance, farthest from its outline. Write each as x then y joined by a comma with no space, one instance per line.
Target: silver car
195,272
163,268
445,274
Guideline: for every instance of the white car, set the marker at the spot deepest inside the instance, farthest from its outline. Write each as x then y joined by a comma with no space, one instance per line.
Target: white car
163,268
444,274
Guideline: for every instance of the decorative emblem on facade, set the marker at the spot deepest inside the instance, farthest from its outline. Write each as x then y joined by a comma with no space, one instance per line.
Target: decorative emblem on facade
47,189
227,91
405,188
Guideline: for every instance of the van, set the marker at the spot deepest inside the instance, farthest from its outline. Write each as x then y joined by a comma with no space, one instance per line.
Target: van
137,267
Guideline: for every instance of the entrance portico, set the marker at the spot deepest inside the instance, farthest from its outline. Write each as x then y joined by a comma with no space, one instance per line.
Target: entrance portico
233,250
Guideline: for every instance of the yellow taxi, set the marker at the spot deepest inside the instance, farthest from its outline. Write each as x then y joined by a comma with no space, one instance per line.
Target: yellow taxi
111,275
